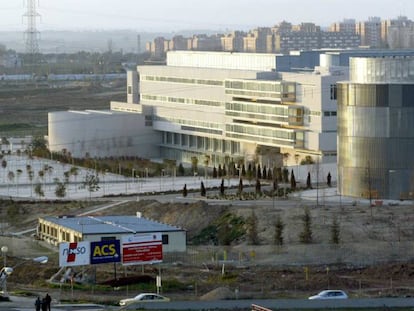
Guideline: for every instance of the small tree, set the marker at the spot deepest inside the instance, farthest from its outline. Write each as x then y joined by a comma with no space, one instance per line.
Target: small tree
252,234
39,190
308,182
91,183
259,171
222,187
194,165
292,180
328,179
258,187
60,190
306,235
180,170
202,190
335,233
185,190
240,188
285,175
4,165
279,226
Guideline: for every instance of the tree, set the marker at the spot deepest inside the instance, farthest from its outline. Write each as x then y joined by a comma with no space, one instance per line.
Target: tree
222,187
328,179
252,234
279,226
306,235
292,180
194,165
4,165
60,190
39,147
202,190
259,171
285,175
185,192
214,172
335,233
258,186
308,182
39,190
240,188
91,183
206,163
264,175
181,170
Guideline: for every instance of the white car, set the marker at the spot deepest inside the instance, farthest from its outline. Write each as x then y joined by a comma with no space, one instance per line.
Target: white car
330,294
144,297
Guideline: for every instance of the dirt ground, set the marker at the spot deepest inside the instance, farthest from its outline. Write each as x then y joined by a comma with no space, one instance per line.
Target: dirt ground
374,257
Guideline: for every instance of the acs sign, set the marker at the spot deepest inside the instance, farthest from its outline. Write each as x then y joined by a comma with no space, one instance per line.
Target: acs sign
105,251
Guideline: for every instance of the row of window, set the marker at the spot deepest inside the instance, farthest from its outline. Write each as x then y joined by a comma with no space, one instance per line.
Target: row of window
182,80
377,95
200,143
182,100
254,85
261,131
194,123
256,94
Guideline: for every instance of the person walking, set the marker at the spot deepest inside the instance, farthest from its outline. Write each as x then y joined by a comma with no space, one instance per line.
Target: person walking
44,305
38,304
48,301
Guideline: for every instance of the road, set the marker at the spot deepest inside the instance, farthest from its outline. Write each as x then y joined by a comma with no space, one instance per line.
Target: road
26,304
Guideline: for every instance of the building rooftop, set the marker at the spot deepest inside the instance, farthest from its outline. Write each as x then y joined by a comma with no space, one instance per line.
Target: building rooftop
111,224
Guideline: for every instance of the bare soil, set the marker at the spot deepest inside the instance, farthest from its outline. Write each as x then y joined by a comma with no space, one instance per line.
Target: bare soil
372,259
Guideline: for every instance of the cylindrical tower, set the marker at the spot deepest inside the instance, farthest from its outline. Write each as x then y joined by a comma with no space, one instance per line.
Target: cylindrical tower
376,129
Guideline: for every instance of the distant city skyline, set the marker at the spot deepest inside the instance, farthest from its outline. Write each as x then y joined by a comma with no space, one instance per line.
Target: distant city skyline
178,15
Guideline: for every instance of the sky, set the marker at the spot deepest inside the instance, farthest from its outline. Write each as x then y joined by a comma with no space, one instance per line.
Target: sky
176,15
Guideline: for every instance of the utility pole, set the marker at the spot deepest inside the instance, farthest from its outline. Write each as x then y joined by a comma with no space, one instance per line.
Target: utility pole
31,33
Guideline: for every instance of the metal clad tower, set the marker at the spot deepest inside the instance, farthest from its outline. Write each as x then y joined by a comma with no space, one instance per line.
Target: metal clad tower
31,33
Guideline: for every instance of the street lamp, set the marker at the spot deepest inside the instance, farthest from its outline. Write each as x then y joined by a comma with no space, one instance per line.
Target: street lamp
6,271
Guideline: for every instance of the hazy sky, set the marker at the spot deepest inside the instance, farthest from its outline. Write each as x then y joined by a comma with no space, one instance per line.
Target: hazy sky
174,15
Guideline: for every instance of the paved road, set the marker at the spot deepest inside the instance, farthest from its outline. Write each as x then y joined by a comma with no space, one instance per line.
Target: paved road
26,304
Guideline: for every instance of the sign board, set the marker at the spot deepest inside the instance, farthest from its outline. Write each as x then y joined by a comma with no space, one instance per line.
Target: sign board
142,249
74,254
105,251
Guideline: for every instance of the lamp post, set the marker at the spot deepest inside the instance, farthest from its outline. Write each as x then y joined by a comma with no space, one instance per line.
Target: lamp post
5,271
133,179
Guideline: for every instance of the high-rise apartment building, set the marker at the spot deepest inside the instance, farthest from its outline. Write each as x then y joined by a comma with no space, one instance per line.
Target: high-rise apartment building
370,32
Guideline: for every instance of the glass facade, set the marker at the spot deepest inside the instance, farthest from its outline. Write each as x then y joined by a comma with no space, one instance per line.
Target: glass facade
376,140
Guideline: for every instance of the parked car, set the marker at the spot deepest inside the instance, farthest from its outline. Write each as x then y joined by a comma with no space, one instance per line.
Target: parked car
144,298
330,294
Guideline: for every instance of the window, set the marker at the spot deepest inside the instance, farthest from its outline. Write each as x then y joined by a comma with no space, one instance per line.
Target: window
333,91
165,239
129,89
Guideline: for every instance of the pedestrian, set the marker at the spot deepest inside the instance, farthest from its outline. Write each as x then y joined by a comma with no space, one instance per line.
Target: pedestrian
48,300
44,305
38,304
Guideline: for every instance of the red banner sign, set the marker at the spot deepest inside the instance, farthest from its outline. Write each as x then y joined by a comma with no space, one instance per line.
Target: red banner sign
142,249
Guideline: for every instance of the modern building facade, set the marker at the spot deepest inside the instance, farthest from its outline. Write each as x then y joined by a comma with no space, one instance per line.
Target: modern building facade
375,128
230,105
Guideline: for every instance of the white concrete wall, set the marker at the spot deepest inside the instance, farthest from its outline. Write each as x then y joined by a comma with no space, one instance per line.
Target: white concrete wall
101,134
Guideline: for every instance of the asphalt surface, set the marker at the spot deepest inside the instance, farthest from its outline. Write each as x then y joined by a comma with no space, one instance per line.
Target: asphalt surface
26,304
